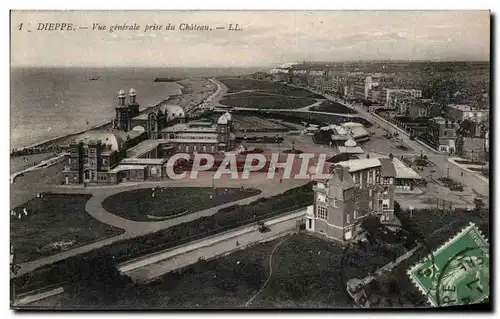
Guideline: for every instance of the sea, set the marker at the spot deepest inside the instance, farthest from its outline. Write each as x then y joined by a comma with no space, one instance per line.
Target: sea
47,103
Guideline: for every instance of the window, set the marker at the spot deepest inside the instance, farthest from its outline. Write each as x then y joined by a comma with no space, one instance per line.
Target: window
310,223
385,203
322,212
87,175
321,198
105,161
355,214
348,218
380,202
370,193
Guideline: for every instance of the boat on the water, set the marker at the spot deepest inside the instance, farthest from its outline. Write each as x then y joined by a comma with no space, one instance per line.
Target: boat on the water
94,78
166,80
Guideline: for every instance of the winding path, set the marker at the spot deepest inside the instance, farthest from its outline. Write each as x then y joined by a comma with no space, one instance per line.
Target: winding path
270,272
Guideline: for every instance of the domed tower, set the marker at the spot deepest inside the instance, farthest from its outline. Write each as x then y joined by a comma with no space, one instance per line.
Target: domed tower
132,104
223,132
121,98
122,119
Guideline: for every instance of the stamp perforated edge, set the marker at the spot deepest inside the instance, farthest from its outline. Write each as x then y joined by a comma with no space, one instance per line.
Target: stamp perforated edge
436,251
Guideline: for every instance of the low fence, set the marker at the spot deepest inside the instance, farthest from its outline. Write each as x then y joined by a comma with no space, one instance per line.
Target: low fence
150,267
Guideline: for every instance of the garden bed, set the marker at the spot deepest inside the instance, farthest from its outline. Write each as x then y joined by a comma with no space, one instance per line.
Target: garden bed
466,162
54,223
164,202
453,185
333,107
260,101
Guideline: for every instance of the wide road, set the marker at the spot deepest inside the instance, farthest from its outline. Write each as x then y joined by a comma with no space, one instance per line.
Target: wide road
443,166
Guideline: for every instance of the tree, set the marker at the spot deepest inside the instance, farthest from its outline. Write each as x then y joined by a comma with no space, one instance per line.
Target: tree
479,205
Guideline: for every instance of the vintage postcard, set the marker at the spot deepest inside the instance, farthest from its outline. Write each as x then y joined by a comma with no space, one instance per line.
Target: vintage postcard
249,159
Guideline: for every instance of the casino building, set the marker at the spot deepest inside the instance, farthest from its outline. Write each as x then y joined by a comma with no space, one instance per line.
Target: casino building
138,146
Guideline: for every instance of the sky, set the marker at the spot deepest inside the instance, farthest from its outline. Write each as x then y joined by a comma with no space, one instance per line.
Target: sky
267,38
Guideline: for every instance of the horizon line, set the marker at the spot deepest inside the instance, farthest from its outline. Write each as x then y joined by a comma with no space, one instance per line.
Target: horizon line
241,66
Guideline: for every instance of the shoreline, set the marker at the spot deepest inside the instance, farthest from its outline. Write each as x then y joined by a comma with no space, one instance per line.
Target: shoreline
56,141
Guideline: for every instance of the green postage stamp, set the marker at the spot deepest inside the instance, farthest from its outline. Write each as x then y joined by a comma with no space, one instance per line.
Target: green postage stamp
458,273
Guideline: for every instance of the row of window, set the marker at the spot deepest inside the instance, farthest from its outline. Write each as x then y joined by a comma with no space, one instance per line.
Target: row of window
195,148
322,212
194,137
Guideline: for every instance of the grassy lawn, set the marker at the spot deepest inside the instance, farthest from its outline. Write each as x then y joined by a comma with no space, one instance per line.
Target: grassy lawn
256,124
333,107
76,268
55,222
305,274
239,84
438,226
261,101
485,172
139,204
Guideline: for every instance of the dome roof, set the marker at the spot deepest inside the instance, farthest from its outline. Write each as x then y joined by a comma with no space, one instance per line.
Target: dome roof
228,116
350,143
222,119
173,111
138,128
106,138
132,92
121,93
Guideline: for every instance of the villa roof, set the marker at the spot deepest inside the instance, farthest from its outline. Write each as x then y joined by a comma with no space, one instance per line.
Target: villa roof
360,164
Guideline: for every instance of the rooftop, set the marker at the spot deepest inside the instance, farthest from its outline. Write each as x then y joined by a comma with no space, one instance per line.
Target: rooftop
143,116
465,108
403,171
387,167
143,161
187,127
115,139
351,149
142,148
120,168
360,164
